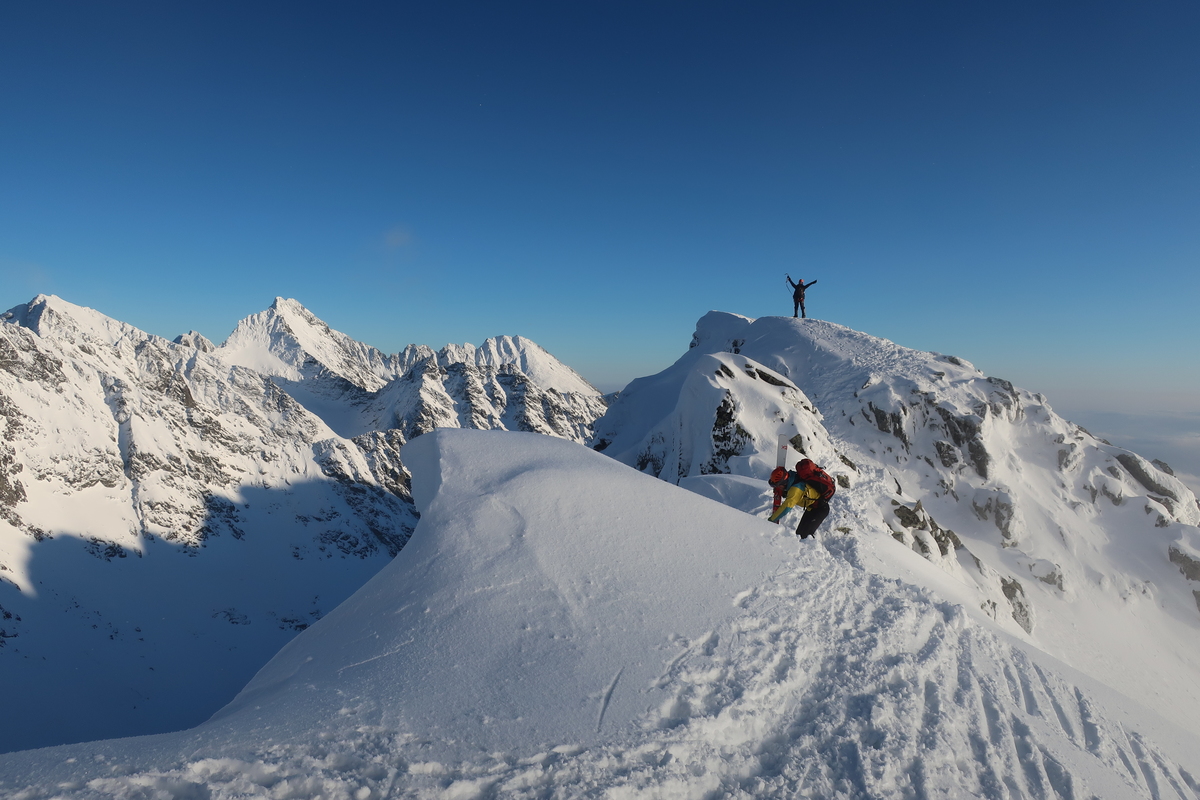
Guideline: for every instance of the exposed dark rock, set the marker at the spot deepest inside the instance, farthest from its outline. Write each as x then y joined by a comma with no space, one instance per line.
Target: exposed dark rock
382,452
961,429
649,458
979,457
232,616
947,454
771,379
1053,578
1022,612
1117,497
729,438
20,355
1140,470
8,628
105,551
1189,566
889,422
909,517
220,514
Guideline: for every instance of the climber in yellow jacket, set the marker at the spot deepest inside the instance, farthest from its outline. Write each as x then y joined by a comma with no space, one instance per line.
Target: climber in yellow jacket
803,495
808,487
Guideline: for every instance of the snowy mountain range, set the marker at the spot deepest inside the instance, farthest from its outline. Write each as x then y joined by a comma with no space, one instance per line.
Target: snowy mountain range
171,513
1000,605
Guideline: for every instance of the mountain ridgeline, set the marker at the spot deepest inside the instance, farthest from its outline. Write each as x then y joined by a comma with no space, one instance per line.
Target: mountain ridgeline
1032,519
173,513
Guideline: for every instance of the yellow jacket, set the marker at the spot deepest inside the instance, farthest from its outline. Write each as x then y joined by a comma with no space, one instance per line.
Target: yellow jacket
803,495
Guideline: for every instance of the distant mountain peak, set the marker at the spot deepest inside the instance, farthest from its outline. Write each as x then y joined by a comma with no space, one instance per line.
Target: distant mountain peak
197,340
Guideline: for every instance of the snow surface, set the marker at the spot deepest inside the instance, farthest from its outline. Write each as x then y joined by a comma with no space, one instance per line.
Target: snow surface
1079,547
563,626
167,523
169,520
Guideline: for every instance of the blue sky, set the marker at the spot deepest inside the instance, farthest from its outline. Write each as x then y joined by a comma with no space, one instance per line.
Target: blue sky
1016,184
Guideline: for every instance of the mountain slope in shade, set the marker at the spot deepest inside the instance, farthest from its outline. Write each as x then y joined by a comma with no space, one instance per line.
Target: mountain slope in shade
1037,522
166,524
562,626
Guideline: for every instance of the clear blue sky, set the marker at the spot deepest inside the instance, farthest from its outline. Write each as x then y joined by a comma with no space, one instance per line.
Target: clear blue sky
1013,183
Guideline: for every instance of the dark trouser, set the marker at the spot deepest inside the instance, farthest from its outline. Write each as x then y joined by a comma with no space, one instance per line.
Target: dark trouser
798,305
814,515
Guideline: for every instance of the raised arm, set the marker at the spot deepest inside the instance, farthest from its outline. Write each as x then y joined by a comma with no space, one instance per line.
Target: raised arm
810,283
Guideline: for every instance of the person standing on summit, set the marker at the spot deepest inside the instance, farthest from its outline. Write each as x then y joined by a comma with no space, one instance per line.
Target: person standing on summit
798,295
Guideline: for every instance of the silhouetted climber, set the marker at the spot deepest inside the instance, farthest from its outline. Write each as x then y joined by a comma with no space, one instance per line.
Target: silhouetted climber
798,295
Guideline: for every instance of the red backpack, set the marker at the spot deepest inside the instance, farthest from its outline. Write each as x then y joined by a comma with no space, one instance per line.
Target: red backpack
809,472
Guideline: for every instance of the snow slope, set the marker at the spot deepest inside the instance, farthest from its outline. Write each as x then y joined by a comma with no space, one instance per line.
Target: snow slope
563,626
167,523
172,513
1084,549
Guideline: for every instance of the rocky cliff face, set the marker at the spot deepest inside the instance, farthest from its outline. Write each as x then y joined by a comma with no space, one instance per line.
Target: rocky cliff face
1032,518
171,513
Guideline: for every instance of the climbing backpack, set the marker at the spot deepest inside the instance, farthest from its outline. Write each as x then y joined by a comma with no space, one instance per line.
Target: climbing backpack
809,472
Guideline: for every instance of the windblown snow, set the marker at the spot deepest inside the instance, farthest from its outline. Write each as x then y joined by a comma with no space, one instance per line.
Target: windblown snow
999,606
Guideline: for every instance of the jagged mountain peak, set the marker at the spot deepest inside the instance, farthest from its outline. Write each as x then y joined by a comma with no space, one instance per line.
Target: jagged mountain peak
49,316
290,342
195,339
526,355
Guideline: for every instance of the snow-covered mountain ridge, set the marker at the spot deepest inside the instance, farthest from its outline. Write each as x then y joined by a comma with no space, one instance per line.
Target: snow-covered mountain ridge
172,512
508,382
1081,547
1000,605
629,639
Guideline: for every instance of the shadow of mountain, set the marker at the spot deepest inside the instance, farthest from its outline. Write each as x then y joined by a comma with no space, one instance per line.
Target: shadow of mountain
111,640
